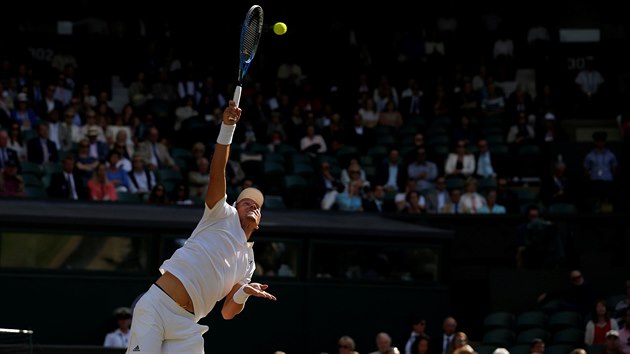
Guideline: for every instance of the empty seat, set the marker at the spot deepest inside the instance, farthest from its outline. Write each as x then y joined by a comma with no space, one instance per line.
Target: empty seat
531,319
501,337
571,336
565,319
528,335
562,208
498,320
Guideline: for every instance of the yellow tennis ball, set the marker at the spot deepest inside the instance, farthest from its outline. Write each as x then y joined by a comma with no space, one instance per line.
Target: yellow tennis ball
279,28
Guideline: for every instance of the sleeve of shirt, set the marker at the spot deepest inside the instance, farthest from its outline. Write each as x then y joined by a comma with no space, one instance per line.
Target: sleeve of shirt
219,211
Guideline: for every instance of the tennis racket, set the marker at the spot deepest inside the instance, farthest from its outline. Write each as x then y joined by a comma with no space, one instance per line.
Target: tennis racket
250,37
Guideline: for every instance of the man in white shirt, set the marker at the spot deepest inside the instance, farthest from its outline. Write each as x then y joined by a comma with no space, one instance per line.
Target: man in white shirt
216,262
119,338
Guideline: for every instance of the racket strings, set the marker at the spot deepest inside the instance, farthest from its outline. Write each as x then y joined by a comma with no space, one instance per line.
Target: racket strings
251,37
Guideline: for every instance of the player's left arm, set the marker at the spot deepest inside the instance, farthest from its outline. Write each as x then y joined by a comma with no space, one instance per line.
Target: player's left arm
232,306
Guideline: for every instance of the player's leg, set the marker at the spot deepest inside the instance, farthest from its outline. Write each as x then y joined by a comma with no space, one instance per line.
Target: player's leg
183,334
147,327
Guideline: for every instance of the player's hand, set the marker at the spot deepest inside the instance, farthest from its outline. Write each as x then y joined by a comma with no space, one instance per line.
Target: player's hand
231,114
258,290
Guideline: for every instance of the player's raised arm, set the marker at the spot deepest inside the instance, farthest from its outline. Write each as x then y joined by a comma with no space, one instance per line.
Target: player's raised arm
216,183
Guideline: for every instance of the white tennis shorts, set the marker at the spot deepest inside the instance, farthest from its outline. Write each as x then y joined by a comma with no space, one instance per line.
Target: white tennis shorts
159,325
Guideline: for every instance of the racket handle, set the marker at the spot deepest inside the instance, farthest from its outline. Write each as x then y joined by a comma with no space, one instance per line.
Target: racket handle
237,94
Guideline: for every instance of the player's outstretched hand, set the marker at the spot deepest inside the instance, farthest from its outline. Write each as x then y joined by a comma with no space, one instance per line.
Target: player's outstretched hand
258,290
231,114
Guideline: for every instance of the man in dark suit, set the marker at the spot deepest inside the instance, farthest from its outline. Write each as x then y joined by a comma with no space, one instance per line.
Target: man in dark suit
386,169
443,344
376,202
6,153
98,149
66,184
41,149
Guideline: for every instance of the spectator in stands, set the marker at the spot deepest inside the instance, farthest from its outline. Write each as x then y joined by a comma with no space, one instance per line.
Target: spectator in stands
438,197
483,158
155,153
536,243
376,201
158,195
119,338
359,135
67,184
85,164
622,306
441,105
7,154
198,179
521,133
313,143
68,131
492,102
99,186
537,346
452,206
351,198
368,113
119,125
354,171
391,173
599,325
422,171
520,102
125,151
15,141
390,116
418,326
115,174
491,206
500,351
383,343
48,103
460,163
471,201
550,131
556,187
420,345
142,179
444,343
346,345
180,195
328,186
612,345
11,184
460,344
466,131
411,104
414,203
40,149
392,350
507,197
97,149
24,115
185,111
579,296
91,122
468,100
624,333
600,167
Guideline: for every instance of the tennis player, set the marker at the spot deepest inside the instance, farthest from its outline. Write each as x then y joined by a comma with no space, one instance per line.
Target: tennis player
216,262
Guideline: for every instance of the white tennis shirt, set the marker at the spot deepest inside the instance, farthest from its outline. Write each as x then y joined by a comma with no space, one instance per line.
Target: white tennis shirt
215,257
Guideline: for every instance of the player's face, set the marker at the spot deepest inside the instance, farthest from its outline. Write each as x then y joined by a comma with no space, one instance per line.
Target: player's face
247,209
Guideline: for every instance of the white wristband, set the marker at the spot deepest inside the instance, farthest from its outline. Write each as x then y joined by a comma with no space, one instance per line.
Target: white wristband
226,133
240,296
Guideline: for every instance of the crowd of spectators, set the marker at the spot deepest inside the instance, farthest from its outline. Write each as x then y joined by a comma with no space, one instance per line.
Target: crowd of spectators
428,130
